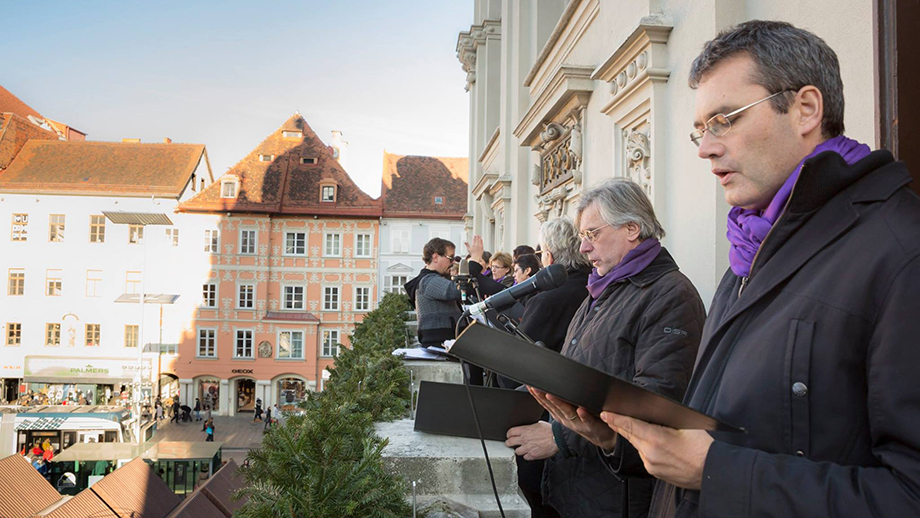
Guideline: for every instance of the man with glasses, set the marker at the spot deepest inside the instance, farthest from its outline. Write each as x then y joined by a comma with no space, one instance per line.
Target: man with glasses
811,339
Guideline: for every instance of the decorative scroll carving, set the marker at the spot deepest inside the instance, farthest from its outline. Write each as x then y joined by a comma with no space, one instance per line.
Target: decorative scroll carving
551,204
552,131
558,163
638,151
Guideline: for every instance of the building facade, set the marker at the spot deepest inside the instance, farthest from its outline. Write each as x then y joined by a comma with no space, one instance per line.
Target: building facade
293,269
423,197
71,313
564,94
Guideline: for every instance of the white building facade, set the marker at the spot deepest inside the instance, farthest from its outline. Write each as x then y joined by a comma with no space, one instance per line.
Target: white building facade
565,94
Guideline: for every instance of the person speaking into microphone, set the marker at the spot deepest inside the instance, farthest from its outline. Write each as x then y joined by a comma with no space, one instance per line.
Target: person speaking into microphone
641,320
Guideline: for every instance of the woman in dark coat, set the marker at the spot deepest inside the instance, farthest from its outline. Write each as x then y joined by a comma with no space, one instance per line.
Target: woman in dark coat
641,321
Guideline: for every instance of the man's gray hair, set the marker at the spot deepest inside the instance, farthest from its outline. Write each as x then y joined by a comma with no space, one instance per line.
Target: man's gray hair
559,237
785,58
621,201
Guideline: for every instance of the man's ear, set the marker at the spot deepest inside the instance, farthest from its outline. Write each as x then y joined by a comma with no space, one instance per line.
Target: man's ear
632,231
808,110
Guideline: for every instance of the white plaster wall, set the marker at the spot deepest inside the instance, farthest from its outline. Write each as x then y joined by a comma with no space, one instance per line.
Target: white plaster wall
421,231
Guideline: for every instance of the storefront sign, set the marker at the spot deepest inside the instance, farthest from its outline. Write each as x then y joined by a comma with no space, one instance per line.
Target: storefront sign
241,371
63,368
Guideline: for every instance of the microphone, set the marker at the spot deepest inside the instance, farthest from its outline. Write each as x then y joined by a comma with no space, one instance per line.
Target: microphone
462,279
546,279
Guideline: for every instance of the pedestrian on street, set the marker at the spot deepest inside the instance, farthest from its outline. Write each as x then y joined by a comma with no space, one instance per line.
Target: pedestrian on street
257,414
197,410
268,419
175,411
277,413
209,429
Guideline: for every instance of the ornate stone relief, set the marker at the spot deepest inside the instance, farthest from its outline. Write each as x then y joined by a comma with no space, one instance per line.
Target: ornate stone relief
638,152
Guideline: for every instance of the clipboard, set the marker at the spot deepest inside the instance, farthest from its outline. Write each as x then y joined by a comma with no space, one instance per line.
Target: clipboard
576,382
444,409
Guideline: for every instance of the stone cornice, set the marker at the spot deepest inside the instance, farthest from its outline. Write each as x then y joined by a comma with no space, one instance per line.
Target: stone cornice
547,49
484,184
569,88
469,41
641,58
491,150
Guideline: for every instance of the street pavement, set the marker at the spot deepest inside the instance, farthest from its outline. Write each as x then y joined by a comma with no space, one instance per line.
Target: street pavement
238,433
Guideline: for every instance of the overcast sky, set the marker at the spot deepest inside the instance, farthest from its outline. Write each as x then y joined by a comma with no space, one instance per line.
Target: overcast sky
228,73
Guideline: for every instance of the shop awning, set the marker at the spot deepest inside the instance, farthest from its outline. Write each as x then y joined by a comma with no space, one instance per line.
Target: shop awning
42,423
137,218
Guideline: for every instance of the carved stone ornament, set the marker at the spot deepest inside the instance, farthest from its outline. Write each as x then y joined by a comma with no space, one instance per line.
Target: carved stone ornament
553,131
552,202
535,175
265,349
638,151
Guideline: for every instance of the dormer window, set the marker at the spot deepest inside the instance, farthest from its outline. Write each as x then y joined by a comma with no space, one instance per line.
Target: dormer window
327,193
291,134
228,188
266,158
307,160
335,153
438,200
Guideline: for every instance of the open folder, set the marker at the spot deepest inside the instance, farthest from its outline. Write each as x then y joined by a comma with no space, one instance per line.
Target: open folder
575,382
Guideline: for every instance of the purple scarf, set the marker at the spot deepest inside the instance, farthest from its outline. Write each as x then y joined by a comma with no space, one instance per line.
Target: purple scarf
635,261
748,228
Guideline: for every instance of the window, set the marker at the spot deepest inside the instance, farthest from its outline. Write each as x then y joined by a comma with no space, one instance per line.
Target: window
20,227
363,245
290,344
172,236
97,229
332,245
328,193
362,298
248,242
401,238
56,228
243,343
132,282
52,335
53,283
295,243
266,158
212,241
438,200
293,297
330,342
292,134
135,234
308,160
93,283
93,333
207,343
246,296
228,189
395,283
131,334
17,282
13,334
209,295
331,298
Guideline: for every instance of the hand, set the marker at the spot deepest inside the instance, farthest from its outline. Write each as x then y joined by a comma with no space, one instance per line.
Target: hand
577,419
675,456
476,250
533,442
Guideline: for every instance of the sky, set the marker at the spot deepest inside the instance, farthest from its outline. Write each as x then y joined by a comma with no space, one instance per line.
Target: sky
226,74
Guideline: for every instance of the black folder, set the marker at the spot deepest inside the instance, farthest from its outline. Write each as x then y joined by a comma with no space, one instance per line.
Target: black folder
575,382
444,408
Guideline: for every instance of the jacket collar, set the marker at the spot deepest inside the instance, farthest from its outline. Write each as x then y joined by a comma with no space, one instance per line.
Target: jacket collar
662,264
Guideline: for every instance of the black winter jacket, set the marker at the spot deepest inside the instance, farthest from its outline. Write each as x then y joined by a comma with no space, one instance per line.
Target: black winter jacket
645,329
818,356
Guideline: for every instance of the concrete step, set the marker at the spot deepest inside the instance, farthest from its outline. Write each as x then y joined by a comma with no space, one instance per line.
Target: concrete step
441,371
514,506
444,465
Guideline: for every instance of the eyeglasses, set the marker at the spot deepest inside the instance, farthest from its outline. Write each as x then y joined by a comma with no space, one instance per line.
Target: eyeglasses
591,233
721,123
499,267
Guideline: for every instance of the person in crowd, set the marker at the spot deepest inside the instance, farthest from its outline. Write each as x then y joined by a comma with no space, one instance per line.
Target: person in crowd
257,413
279,418
436,297
197,409
486,268
175,411
268,419
186,413
209,430
642,320
812,328
521,250
500,264
525,267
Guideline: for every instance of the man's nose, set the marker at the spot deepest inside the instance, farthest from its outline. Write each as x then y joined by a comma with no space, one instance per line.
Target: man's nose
710,147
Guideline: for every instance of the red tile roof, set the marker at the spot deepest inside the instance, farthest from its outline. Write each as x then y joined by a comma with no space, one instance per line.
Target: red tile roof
100,168
11,103
284,185
220,489
411,185
15,131
23,491
135,491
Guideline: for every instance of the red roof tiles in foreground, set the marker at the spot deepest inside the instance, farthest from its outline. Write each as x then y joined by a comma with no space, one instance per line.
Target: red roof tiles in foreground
135,491
102,168
15,131
283,175
412,186
23,492
11,103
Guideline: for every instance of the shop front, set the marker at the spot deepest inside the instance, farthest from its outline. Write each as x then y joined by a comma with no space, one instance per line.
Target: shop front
53,380
10,379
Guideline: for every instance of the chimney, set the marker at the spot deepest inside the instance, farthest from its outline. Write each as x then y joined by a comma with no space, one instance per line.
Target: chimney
340,149
167,140
130,141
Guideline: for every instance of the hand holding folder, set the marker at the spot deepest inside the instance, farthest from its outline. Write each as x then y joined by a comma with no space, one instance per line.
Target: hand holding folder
575,382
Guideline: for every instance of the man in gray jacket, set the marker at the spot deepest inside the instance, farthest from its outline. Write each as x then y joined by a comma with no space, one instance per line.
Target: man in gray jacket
811,339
